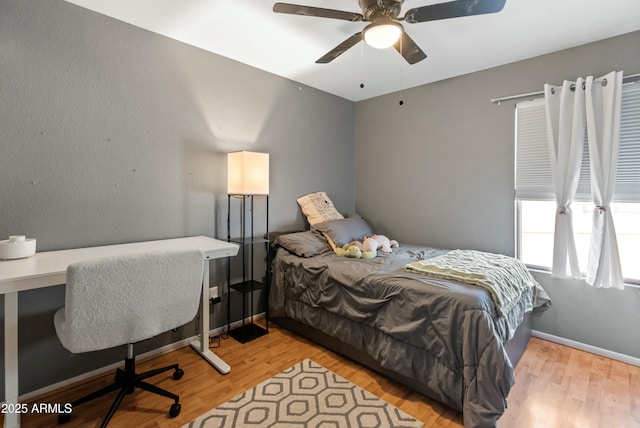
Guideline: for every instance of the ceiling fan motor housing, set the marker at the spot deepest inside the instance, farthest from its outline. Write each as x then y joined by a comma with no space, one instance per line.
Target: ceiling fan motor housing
373,10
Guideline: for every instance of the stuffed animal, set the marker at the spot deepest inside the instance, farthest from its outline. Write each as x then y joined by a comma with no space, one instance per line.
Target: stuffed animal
365,246
380,242
354,252
356,244
368,249
369,254
369,244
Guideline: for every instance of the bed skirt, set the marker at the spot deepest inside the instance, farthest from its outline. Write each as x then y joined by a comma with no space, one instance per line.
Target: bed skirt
514,348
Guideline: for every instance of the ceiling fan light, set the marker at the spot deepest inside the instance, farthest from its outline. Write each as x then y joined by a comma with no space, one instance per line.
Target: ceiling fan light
382,35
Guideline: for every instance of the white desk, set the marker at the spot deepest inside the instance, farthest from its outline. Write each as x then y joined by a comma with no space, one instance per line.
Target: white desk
49,268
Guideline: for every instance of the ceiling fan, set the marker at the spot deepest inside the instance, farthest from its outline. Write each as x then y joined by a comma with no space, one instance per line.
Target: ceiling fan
385,29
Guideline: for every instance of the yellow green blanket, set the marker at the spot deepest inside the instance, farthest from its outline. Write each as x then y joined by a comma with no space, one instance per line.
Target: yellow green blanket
504,277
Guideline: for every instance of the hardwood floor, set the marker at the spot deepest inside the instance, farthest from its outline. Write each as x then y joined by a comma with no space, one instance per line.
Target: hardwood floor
558,386
555,386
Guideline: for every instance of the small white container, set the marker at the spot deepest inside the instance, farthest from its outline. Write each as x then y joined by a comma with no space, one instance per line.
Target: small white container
17,247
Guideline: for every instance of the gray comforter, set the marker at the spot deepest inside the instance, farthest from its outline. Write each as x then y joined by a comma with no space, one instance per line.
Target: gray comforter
446,335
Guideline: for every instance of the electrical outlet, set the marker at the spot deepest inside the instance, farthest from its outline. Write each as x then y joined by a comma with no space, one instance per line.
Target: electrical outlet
213,292
213,295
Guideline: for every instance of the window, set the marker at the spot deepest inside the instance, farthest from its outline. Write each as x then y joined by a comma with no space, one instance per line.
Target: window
536,234
534,189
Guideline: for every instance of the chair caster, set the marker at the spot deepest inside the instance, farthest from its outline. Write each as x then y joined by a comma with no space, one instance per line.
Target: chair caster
63,418
178,374
175,410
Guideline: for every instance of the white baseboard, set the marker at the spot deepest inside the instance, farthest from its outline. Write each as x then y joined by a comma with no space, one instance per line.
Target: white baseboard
588,348
102,370
112,367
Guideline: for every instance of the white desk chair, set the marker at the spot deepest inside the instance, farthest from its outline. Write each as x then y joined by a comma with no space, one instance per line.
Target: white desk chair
111,301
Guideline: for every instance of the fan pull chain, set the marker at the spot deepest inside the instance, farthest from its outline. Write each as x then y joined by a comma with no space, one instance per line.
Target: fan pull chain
401,87
401,58
362,65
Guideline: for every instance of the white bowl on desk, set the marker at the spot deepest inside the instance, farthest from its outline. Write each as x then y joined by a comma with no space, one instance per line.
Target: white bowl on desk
17,247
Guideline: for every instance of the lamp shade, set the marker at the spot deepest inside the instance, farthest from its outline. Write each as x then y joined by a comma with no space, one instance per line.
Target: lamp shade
248,173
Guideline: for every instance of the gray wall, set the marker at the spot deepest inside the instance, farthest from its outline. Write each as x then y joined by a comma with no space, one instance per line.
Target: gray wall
111,134
439,171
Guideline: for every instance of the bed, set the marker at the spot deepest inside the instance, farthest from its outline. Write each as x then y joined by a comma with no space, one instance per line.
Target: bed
443,338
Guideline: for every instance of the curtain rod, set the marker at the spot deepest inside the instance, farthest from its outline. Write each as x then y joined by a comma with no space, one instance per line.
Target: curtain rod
626,79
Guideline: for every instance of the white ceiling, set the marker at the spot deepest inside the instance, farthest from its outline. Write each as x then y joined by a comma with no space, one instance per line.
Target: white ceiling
287,45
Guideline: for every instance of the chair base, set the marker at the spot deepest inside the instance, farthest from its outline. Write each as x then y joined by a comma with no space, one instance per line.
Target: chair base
127,381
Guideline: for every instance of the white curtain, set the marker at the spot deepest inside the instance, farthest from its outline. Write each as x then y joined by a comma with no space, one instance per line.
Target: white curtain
603,105
565,134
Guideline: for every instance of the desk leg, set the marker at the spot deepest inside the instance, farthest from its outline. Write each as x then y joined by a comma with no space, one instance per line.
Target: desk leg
202,345
11,420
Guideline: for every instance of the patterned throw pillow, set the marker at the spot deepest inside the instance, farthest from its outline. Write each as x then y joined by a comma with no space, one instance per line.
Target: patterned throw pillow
318,208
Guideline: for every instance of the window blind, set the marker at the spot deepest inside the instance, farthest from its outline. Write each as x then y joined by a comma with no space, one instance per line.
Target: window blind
628,176
533,166
532,163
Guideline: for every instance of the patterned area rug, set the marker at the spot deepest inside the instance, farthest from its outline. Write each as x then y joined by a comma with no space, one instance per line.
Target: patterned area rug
305,395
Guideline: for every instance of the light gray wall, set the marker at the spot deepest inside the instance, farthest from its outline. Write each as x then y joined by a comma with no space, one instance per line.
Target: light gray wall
111,134
439,170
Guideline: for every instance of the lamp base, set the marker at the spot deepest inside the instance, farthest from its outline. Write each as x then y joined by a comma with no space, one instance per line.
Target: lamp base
247,332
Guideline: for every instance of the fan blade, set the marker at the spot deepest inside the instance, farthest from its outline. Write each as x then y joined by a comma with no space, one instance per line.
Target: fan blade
340,49
453,9
409,49
295,9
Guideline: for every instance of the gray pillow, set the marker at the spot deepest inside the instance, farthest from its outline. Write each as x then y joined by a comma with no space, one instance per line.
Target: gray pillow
303,244
342,232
